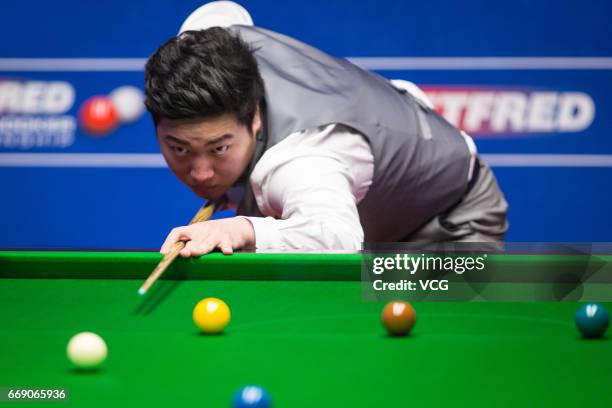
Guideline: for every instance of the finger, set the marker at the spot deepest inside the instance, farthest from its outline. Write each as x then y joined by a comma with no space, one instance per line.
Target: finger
208,246
177,234
198,248
186,251
226,247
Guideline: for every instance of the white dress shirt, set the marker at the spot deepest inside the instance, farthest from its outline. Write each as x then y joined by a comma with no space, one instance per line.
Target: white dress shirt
308,187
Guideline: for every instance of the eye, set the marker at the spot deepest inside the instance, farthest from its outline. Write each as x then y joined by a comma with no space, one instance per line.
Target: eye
219,151
178,150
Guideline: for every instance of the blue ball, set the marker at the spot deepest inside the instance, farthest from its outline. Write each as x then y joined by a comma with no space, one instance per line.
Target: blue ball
592,320
251,396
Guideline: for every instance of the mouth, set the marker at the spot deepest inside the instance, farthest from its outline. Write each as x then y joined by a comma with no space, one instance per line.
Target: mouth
207,192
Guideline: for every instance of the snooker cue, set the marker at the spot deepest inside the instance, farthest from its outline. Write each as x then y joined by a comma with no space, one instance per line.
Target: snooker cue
202,215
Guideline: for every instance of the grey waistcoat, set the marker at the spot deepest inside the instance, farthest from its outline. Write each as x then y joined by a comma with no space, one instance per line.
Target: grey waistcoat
420,161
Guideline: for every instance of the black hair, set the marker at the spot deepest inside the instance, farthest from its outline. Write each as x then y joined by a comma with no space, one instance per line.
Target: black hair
203,74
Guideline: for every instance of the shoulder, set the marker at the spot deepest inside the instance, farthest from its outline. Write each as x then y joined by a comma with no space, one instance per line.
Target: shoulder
333,140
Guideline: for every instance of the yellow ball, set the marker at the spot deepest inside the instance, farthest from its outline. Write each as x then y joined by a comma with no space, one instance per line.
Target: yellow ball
211,315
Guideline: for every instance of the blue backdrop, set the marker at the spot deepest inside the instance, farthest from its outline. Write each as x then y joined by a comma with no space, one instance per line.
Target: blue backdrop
519,63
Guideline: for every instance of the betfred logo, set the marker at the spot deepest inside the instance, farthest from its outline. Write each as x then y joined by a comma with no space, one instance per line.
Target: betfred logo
37,114
488,111
33,114
35,97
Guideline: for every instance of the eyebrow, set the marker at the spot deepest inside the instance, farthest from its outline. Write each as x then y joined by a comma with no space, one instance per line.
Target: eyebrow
219,139
209,143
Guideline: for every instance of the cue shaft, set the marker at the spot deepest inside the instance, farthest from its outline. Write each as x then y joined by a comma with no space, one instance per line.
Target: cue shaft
202,215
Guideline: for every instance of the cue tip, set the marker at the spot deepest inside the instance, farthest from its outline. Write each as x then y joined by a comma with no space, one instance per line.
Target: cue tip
141,291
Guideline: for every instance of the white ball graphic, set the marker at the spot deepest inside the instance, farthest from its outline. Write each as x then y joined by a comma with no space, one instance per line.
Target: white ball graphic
129,102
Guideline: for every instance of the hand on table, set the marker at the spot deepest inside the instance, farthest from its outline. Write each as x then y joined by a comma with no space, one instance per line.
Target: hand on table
203,237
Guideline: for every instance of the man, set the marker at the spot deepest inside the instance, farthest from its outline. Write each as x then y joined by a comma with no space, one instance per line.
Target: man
313,151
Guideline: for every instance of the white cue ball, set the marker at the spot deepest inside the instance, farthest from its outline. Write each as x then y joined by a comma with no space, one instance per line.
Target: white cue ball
129,102
87,350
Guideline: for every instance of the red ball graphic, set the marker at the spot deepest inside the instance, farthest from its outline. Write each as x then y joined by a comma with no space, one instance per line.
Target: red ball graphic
98,116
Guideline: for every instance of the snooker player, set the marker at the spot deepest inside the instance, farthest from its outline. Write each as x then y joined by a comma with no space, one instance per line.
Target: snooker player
312,151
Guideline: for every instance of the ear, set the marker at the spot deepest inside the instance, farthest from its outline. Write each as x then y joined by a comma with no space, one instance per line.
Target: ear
256,126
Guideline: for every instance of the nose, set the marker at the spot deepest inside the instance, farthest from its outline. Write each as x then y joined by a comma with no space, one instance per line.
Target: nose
201,170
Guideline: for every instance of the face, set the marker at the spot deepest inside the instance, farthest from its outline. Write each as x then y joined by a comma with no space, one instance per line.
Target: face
208,155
